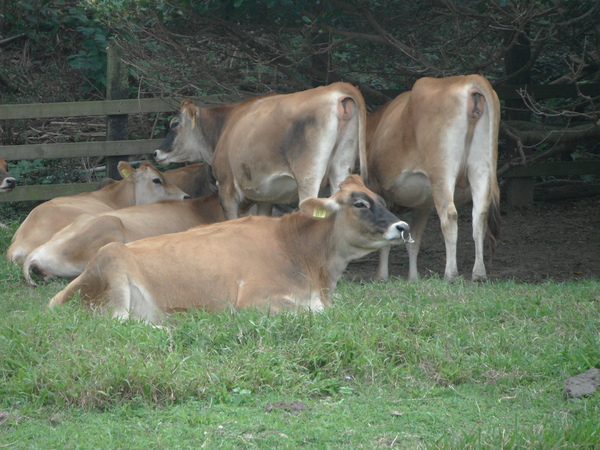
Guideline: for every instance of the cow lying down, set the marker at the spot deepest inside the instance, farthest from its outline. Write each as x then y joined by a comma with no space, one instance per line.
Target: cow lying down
67,253
287,263
139,187
7,183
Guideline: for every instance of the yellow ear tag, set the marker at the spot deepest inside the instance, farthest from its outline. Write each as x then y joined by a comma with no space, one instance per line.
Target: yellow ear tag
125,173
319,213
193,122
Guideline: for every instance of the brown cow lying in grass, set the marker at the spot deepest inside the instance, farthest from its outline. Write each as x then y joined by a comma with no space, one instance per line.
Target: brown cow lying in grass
289,263
67,253
7,183
138,187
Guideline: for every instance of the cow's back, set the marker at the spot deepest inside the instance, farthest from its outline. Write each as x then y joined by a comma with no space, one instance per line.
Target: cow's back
48,218
68,251
249,259
250,263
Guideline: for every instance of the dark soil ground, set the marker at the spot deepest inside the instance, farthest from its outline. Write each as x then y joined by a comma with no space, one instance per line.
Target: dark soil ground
556,240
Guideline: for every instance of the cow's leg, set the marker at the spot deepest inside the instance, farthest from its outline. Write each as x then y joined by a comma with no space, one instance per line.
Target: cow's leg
417,228
345,153
383,266
311,168
264,209
443,196
119,293
228,200
480,188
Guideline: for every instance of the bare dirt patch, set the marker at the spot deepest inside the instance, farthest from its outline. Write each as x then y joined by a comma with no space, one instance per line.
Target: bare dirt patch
556,240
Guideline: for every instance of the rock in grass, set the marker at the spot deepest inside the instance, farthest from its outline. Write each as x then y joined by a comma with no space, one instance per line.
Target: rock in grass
583,384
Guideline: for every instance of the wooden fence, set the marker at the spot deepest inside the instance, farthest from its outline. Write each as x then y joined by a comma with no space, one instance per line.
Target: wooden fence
120,149
116,146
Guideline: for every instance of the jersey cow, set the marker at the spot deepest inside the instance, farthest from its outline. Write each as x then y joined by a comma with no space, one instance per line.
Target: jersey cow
7,183
139,186
273,149
67,253
196,180
432,148
287,263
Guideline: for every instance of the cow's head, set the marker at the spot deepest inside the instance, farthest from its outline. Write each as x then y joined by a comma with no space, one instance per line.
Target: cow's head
150,184
184,141
7,183
362,220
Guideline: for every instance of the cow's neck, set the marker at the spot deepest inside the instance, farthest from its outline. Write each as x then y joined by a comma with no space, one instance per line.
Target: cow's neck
212,122
119,195
312,246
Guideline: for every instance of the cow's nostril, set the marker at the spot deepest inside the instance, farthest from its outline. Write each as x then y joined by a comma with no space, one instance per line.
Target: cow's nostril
402,227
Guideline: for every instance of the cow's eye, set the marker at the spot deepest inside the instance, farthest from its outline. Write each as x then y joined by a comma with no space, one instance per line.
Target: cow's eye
156,180
174,124
361,204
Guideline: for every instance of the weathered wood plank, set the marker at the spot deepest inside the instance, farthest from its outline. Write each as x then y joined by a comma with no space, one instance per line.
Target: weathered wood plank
46,191
545,91
538,91
117,88
564,168
108,107
79,149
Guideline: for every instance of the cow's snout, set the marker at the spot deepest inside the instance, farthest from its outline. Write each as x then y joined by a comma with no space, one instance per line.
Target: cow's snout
404,230
155,154
398,230
10,182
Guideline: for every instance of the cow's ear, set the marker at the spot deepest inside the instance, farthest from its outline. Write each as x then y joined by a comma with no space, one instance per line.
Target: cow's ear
190,109
319,208
125,169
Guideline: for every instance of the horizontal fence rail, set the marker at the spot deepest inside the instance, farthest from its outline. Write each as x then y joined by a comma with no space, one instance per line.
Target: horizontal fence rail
125,148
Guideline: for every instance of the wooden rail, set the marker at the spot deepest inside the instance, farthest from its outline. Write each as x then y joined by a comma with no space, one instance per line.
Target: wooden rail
121,149
520,179
519,185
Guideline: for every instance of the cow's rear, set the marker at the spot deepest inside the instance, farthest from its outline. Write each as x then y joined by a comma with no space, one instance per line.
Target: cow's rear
433,148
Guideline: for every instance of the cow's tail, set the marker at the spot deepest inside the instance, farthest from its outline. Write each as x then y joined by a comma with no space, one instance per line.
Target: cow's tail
82,286
493,223
493,116
358,99
27,267
362,139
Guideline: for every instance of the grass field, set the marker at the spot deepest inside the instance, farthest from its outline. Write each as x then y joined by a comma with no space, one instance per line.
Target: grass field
397,364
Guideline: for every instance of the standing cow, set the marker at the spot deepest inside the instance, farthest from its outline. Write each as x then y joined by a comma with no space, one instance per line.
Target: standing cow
138,187
275,148
434,147
288,263
7,183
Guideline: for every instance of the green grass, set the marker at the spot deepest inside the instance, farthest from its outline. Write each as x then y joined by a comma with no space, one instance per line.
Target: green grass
397,364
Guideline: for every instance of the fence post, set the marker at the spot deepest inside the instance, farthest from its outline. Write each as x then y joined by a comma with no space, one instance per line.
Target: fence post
116,89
